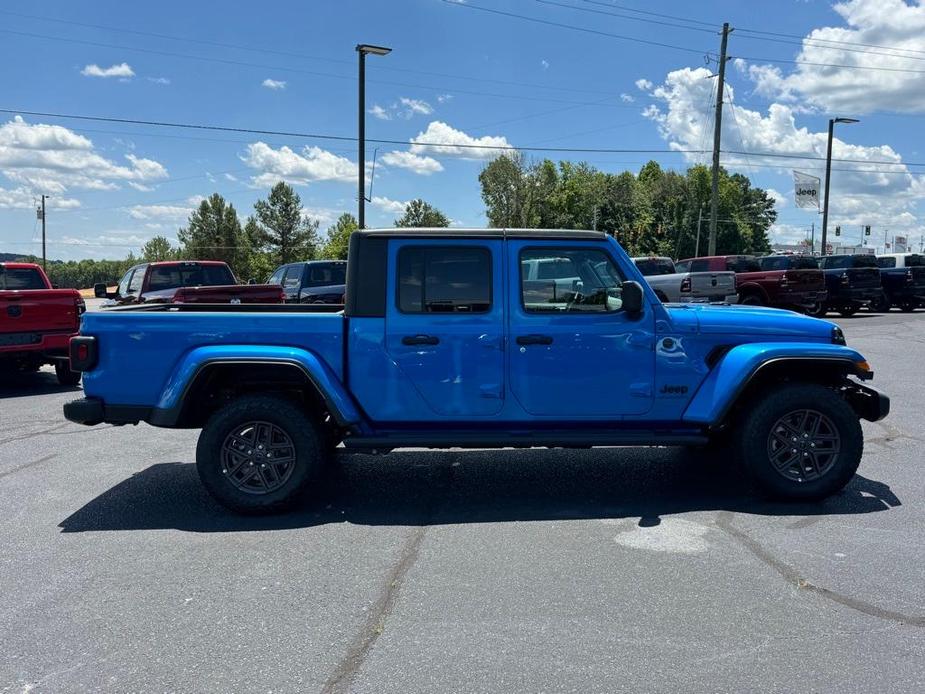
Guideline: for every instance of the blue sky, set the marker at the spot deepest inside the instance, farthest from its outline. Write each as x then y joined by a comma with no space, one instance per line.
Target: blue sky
457,75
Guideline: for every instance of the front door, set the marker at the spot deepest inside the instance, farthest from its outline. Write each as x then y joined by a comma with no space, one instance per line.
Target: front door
574,352
445,325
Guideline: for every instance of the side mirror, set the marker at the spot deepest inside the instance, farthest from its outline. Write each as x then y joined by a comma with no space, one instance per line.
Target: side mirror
252,280
632,297
55,286
99,290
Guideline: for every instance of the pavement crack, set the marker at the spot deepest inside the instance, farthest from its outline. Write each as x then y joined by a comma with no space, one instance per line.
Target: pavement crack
23,467
343,675
793,577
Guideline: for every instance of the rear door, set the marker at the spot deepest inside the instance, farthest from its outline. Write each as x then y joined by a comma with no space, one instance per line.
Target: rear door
575,353
445,323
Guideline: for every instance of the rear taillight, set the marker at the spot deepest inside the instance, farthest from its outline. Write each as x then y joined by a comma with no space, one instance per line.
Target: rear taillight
81,306
282,296
784,280
178,298
909,278
83,353
686,284
844,278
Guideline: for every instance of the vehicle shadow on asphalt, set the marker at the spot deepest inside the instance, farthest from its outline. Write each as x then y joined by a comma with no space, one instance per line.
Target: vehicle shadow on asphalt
21,385
449,487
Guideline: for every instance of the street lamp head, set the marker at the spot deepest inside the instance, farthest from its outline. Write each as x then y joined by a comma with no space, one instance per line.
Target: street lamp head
846,120
375,50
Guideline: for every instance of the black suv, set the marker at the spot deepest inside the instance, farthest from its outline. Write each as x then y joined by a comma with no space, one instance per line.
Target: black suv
312,281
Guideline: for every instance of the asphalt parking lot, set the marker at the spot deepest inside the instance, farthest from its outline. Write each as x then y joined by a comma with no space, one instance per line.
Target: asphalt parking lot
533,570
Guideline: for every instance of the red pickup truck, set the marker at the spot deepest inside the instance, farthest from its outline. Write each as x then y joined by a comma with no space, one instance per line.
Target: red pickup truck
187,282
36,321
783,281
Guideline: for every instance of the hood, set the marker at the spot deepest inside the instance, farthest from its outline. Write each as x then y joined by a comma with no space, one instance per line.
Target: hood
751,320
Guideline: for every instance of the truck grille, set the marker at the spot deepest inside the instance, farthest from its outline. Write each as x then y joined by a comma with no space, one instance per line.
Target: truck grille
19,339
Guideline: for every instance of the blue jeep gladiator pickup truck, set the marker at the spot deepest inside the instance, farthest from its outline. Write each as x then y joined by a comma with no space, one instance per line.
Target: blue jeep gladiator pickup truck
444,341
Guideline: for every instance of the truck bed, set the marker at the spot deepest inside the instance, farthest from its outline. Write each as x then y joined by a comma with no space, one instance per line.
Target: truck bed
158,336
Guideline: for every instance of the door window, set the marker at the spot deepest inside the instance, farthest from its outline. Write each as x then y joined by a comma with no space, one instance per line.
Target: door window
293,278
586,281
277,277
442,279
122,289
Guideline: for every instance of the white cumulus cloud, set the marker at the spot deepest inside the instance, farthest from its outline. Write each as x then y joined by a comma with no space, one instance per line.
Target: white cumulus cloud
308,165
423,166
378,112
123,70
457,143
387,205
275,85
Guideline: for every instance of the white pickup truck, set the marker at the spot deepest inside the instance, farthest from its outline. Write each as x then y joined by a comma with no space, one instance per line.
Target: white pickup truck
699,287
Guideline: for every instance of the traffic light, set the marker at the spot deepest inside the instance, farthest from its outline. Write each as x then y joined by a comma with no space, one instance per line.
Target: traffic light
867,230
838,231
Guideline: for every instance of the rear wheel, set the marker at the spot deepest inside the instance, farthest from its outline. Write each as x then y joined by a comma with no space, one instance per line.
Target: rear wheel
848,310
881,304
66,377
258,454
908,306
751,300
817,310
800,442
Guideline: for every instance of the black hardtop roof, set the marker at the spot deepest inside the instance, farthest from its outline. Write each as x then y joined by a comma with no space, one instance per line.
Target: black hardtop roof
470,233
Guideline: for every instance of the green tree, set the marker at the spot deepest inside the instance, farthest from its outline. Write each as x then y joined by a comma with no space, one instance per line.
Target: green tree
158,248
281,227
214,233
422,214
339,237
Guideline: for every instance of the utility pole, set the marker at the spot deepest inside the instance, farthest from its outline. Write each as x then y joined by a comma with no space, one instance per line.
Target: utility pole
812,239
717,134
43,231
697,244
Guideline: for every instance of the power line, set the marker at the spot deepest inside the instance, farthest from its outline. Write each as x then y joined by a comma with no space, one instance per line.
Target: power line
586,30
625,16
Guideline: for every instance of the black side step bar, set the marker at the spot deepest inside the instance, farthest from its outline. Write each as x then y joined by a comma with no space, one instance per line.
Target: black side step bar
526,439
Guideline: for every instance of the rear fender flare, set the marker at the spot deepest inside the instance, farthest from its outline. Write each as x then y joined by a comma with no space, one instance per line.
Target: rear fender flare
729,378
195,362
753,288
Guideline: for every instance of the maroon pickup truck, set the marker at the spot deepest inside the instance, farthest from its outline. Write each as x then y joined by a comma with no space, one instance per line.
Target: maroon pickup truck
782,281
187,282
36,321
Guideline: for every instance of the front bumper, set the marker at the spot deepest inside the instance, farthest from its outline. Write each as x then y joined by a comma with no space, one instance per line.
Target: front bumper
869,403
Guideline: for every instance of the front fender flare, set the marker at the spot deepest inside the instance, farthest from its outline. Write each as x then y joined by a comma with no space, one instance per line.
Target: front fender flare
729,378
319,374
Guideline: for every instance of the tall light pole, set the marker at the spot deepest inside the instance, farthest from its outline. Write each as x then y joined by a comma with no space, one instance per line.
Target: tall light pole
362,50
828,171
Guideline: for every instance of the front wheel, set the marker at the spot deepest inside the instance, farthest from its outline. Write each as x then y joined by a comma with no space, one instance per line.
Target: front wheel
817,310
908,306
66,377
800,442
258,454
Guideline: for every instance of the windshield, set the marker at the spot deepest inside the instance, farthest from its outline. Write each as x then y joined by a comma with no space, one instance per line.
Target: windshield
21,278
188,275
742,263
655,266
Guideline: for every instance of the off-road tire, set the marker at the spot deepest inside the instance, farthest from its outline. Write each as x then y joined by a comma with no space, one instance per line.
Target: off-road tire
285,421
848,310
818,310
66,377
755,443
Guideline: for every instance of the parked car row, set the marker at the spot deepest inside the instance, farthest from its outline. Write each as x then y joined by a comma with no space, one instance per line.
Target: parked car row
840,283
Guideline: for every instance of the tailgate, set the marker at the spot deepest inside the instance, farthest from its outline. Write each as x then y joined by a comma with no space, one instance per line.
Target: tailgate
863,277
711,284
806,280
39,310
232,293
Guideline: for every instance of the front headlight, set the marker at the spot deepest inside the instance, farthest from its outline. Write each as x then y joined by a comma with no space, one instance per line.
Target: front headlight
838,337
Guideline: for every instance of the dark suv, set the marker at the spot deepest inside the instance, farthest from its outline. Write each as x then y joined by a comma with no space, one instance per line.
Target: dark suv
312,281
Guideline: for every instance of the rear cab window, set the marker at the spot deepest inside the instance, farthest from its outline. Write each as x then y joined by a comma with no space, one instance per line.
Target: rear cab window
186,275
21,278
444,279
742,264
324,274
655,266
886,263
